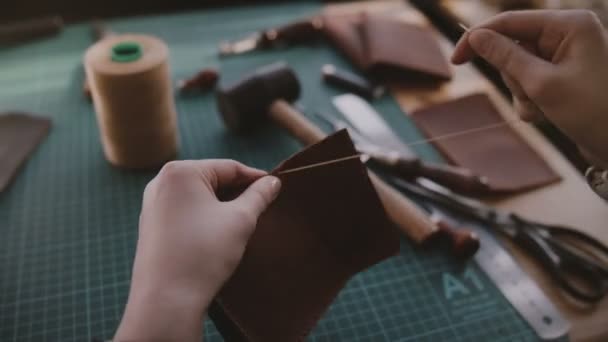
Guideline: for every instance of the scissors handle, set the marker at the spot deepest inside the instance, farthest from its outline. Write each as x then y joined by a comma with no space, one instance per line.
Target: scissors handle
586,240
580,278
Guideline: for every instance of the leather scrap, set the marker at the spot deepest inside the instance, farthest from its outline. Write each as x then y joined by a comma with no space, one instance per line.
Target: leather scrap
20,133
499,154
326,225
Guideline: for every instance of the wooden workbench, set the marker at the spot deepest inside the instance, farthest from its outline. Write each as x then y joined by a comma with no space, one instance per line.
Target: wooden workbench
568,202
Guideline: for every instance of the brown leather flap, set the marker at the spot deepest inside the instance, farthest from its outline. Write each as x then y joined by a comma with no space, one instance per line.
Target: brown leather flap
326,225
20,133
499,153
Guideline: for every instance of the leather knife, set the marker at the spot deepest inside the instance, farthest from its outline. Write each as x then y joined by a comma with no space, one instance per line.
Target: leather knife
297,32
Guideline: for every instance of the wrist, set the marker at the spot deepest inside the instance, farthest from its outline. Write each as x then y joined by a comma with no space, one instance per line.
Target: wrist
162,312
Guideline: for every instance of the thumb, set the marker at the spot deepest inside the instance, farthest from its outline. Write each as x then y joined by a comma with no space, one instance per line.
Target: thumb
259,195
505,54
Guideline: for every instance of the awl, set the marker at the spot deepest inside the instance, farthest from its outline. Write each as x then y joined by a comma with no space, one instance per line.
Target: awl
397,156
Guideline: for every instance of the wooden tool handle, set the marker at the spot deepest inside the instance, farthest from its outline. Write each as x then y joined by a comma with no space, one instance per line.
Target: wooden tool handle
406,215
465,243
296,32
455,178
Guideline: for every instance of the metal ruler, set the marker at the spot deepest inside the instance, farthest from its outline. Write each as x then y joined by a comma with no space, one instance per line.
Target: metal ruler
517,286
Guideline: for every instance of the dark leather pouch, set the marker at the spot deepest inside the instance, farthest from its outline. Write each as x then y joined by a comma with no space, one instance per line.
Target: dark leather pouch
498,153
326,225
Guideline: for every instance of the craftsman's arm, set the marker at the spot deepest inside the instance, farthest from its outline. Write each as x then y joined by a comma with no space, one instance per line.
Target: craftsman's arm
554,62
189,245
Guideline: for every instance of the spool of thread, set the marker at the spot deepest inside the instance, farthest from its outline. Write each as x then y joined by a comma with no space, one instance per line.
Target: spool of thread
132,93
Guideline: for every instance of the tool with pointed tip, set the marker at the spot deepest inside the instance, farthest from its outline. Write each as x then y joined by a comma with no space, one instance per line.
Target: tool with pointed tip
399,158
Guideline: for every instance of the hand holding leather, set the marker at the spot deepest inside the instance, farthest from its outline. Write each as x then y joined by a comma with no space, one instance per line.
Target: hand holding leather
189,244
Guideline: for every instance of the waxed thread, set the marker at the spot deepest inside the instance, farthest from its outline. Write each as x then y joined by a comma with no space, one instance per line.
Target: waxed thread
412,143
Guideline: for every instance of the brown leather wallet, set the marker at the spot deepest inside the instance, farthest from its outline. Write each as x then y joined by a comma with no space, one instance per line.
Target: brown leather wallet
499,154
395,49
326,225
20,133
387,48
343,32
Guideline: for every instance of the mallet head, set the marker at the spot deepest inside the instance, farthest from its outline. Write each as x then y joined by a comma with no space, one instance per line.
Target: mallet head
245,103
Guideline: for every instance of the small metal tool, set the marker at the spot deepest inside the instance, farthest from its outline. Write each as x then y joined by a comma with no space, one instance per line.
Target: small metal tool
294,33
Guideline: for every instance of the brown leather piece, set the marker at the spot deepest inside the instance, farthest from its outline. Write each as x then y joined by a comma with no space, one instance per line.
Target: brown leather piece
387,48
20,133
393,46
326,225
343,32
500,154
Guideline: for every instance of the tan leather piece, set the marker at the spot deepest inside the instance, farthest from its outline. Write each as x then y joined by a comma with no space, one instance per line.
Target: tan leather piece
387,48
326,225
20,134
499,153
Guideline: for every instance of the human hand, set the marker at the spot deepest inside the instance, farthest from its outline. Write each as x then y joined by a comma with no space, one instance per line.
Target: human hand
189,244
554,63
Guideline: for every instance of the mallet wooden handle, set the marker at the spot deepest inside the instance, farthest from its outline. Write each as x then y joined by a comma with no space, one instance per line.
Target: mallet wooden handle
406,215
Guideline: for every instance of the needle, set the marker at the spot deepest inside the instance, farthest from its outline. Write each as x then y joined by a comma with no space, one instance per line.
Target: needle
468,29
333,161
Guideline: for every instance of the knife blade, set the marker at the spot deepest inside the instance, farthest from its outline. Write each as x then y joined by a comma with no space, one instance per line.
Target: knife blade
366,120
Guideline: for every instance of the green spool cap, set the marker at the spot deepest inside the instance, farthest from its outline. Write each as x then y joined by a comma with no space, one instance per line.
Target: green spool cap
125,52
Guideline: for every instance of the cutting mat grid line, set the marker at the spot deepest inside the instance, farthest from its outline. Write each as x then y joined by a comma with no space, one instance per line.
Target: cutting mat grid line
69,221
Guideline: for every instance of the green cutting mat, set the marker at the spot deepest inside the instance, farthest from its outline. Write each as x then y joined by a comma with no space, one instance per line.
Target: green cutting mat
68,224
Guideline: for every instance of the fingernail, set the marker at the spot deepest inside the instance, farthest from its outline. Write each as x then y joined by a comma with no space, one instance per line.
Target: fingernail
275,184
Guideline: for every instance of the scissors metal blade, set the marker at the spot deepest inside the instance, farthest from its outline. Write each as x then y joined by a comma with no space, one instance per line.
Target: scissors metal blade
472,207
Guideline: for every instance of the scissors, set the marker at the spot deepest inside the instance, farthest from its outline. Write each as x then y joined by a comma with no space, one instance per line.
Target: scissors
576,261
